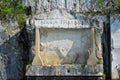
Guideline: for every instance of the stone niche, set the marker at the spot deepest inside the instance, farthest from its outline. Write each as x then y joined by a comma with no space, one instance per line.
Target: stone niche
65,47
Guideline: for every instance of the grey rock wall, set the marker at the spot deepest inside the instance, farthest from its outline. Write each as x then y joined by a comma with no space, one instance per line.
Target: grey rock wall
115,31
41,6
10,65
10,51
78,39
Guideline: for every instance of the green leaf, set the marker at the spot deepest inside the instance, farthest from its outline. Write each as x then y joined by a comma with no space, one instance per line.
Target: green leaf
118,2
21,18
13,8
100,3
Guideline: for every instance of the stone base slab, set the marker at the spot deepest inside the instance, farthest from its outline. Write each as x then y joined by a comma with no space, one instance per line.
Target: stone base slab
65,70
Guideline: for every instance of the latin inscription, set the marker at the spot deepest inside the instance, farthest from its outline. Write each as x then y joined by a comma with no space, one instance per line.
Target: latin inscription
59,24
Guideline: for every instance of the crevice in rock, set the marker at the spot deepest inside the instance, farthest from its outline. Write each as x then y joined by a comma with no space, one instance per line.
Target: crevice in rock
24,43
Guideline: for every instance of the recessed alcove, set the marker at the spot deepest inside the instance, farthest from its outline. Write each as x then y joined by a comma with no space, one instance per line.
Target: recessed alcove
65,47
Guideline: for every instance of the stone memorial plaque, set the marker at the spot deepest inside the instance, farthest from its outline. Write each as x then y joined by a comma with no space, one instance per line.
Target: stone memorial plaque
59,23
60,44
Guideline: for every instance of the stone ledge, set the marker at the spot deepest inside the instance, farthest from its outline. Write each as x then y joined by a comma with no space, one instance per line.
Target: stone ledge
65,70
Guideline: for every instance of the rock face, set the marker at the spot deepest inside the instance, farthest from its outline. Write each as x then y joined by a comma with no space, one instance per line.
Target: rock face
63,45
10,65
41,6
3,64
11,52
14,47
115,31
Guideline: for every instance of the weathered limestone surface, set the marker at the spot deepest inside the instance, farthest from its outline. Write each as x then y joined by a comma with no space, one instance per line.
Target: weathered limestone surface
73,41
71,45
10,65
115,31
41,6
10,59
65,70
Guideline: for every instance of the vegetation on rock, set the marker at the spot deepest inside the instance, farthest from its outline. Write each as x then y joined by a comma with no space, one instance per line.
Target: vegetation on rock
13,9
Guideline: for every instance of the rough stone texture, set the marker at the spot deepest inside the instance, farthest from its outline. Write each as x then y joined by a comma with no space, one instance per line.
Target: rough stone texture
59,37
10,52
10,66
41,6
115,31
64,15
3,62
71,45
64,78
65,70
9,63
54,14
59,41
118,69
51,37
